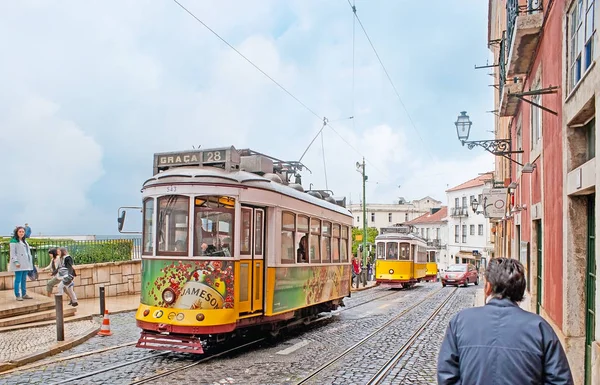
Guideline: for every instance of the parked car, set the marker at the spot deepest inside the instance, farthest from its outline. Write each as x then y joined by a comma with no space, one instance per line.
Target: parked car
460,274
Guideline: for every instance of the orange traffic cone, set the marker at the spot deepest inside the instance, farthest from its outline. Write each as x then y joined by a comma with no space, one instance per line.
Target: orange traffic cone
105,328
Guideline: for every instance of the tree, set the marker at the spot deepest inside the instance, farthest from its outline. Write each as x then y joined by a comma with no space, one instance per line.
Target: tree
371,234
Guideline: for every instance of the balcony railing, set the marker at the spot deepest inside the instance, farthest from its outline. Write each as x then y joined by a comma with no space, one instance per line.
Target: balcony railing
434,243
502,63
529,35
460,212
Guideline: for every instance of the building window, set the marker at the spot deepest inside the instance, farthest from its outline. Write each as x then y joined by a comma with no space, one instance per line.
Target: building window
590,133
406,217
456,233
456,203
472,229
581,39
471,199
390,217
372,217
464,202
480,229
427,234
536,119
464,234
437,233
357,219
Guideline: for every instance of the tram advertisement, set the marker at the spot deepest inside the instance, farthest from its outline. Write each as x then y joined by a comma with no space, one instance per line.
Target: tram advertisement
195,284
300,286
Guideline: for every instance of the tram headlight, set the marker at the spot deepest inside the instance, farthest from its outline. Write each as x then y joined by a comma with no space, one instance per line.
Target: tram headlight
168,296
391,271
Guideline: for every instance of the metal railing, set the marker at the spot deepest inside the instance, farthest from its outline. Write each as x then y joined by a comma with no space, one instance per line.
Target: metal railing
513,9
83,252
502,64
460,212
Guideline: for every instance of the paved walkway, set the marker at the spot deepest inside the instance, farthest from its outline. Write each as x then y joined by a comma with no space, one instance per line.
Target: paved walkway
24,344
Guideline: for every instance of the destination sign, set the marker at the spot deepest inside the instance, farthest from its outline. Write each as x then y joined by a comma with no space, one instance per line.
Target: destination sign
396,229
179,159
219,157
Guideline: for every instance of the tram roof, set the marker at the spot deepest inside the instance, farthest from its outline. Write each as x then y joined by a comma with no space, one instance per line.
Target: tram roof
398,236
208,175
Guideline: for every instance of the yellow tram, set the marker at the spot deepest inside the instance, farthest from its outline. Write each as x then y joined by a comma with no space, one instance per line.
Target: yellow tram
229,242
401,257
432,266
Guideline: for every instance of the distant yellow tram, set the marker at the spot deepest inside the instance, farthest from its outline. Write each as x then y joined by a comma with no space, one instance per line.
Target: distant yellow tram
401,257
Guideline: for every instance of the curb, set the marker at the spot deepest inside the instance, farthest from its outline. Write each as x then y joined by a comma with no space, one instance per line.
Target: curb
353,290
75,318
58,348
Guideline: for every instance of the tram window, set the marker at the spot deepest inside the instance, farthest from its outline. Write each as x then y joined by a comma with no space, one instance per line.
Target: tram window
326,242
405,254
315,241
258,232
213,228
302,224
288,227
335,243
148,226
245,239
344,245
392,251
173,219
380,250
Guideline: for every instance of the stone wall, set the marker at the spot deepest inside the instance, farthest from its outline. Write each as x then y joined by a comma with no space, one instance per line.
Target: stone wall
118,278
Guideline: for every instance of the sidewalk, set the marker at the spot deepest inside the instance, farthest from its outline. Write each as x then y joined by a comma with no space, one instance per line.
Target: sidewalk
23,344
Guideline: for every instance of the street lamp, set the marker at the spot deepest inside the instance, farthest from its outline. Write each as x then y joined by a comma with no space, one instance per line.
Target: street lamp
498,147
463,126
475,205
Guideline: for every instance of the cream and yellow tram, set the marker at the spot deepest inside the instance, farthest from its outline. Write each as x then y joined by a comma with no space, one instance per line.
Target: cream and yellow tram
401,257
229,243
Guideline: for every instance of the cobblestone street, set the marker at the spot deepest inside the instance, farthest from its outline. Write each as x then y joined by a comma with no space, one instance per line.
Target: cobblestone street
285,360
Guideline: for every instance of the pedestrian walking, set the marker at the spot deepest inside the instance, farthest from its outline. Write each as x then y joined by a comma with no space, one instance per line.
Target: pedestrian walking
21,262
27,231
500,343
56,262
66,274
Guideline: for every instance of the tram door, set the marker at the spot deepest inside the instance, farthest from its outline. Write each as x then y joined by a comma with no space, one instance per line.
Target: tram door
251,259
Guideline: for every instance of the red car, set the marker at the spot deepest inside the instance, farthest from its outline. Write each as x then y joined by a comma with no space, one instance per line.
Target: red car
460,274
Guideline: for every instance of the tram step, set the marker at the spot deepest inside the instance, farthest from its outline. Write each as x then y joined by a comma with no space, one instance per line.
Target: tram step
170,342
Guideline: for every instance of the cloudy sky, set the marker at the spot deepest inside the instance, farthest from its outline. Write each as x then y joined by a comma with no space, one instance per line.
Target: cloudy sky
91,89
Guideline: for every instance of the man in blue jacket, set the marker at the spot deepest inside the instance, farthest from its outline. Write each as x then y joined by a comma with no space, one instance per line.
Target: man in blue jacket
500,343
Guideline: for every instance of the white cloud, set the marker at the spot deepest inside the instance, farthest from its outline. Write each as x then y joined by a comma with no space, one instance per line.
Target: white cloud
51,165
114,82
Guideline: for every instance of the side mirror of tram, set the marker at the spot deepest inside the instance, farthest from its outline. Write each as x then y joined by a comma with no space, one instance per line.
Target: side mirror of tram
121,220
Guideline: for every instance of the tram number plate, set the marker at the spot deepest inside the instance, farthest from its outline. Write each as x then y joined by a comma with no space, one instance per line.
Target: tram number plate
213,156
171,189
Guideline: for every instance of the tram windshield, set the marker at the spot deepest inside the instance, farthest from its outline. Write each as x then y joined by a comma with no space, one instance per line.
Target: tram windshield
213,232
392,251
380,250
405,254
173,219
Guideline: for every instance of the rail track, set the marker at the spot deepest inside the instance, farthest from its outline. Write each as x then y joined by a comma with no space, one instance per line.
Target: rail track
382,373
202,359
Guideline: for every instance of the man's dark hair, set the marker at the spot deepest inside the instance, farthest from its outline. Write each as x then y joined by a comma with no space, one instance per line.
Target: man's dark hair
507,277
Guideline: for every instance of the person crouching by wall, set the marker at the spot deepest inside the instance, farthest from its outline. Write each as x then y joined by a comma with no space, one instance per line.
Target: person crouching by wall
66,275
55,263
21,262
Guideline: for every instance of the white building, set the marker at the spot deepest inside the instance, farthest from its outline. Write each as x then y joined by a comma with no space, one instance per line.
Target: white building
469,238
433,226
386,215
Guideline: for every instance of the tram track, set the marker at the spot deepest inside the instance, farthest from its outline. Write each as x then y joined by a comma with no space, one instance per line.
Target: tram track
382,374
390,363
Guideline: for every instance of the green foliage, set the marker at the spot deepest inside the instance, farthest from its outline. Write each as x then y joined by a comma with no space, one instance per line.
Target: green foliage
371,234
83,252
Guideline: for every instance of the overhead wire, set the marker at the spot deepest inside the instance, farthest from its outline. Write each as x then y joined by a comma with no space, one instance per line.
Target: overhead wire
353,7
276,83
